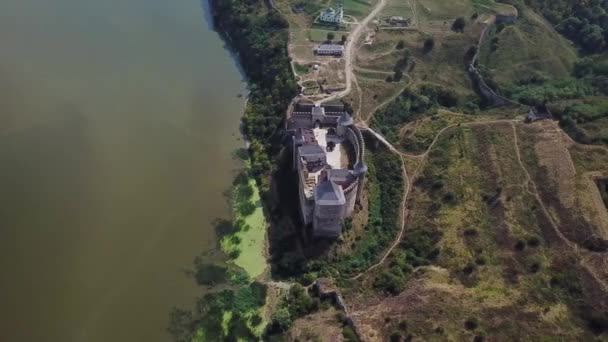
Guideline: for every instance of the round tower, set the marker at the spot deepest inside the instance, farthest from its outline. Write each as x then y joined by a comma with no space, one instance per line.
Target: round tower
344,121
359,170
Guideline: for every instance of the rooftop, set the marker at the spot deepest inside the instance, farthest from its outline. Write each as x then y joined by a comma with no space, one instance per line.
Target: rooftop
331,47
329,193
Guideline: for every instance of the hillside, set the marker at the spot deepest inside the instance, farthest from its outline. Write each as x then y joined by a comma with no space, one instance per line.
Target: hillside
525,52
474,224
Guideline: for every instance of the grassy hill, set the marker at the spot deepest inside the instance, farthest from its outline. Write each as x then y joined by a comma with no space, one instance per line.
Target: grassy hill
528,50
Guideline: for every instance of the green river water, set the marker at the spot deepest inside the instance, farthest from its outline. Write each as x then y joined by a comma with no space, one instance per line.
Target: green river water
118,119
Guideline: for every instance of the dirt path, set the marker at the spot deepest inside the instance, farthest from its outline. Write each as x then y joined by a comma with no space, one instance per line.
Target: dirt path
409,181
350,52
408,185
534,192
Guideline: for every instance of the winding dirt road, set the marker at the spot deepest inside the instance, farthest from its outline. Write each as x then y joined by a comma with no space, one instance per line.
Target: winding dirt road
350,52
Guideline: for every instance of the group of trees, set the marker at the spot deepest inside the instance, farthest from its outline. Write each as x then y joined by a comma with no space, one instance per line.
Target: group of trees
260,37
410,105
583,21
400,65
239,308
297,303
385,184
331,36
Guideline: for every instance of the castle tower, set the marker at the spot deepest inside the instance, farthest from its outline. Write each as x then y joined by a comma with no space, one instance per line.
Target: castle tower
344,121
340,14
360,170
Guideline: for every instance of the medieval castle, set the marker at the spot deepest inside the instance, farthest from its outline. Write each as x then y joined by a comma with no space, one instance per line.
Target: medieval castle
328,153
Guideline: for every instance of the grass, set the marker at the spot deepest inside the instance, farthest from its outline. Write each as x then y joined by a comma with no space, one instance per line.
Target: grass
444,10
301,69
320,36
527,48
490,213
251,245
426,129
397,8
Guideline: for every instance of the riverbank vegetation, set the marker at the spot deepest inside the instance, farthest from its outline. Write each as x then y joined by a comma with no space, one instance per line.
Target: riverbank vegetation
244,239
227,314
259,36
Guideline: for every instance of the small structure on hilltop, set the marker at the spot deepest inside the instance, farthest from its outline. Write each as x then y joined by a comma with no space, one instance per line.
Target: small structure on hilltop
330,50
330,180
508,15
333,16
399,21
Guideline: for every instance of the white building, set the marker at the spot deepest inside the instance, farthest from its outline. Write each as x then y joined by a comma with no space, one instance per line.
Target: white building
330,15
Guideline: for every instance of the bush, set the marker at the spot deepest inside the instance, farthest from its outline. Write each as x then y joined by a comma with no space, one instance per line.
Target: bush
300,303
535,267
246,208
390,281
235,253
181,325
429,43
395,336
472,323
469,268
341,318
349,334
281,320
244,192
459,24
598,323
209,274
534,242
250,297
470,232
256,319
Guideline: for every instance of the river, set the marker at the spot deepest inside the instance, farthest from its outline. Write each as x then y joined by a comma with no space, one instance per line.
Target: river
118,120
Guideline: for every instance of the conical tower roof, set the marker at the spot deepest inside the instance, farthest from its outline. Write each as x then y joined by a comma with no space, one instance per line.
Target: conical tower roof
345,119
360,168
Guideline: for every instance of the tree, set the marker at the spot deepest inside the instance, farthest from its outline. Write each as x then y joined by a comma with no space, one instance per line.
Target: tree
592,38
330,36
344,38
281,320
181,325
398,75
459,24
209,274
429,43
400,45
